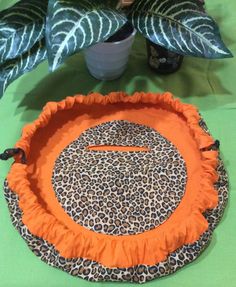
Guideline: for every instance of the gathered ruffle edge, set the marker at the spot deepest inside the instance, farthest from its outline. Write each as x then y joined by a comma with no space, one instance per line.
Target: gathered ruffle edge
148,248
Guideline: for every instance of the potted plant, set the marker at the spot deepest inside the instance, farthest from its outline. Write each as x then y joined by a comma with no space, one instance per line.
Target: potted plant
35,30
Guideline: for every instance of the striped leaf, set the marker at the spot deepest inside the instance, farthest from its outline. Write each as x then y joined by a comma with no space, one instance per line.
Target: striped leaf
14,68
180,26
75,25
21,26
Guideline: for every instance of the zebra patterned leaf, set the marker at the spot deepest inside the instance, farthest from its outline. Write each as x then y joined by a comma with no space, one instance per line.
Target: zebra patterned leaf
21,26
14,68
180,26
75,25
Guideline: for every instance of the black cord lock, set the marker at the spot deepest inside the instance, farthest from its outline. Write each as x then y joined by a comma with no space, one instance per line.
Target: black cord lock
11,152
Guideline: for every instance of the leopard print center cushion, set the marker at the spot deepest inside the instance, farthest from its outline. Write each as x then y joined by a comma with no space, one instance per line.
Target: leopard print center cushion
117,192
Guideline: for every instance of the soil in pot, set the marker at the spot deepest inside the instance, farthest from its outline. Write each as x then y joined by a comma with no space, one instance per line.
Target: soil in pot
121,34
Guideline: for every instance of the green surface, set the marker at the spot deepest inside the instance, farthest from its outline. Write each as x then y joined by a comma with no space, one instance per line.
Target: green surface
210,85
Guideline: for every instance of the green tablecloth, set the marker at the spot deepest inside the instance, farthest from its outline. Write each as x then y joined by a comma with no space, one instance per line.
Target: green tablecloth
210,85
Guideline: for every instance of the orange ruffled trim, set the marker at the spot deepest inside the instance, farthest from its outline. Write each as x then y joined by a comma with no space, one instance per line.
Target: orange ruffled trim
148,248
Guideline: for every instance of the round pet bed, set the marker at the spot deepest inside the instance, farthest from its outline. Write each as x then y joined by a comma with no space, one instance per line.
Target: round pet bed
117,187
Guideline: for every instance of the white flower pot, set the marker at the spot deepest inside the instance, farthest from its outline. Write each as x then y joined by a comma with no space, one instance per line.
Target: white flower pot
108,60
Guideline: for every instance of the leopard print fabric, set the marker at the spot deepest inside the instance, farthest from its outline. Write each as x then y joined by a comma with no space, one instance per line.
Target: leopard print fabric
120,193
93,271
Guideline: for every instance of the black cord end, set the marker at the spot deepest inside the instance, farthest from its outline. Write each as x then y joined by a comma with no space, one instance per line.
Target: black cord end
216,145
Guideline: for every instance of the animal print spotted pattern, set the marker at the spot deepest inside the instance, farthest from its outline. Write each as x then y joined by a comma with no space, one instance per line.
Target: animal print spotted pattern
94,271
116,192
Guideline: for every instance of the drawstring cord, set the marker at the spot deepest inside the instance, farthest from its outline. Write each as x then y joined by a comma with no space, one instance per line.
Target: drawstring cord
214,146
11,152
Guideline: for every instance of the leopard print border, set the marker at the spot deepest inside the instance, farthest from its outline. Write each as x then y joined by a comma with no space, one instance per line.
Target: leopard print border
94,271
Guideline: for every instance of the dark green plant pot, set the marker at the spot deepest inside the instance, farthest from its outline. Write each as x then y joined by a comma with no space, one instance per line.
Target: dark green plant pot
161,60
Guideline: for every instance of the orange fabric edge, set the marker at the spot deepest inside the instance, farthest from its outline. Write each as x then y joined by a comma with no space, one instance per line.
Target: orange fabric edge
78,245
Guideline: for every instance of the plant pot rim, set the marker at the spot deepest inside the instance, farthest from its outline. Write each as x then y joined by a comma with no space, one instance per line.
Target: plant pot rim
118,42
